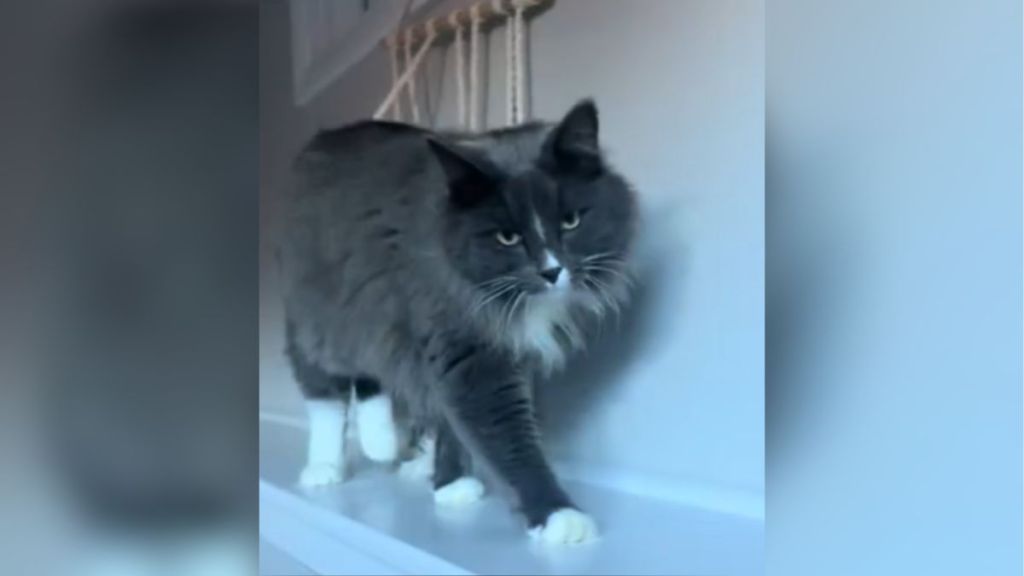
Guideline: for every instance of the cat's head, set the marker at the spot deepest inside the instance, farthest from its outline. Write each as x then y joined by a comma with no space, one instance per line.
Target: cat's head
541,231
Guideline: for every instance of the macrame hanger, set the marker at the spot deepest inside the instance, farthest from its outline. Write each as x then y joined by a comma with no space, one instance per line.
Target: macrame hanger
403,74
474,68
411,65
460,69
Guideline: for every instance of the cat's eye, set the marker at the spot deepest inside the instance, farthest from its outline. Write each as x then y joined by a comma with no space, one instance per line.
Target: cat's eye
571,221
507,238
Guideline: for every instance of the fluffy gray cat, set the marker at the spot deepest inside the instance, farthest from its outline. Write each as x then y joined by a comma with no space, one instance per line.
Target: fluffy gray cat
452,271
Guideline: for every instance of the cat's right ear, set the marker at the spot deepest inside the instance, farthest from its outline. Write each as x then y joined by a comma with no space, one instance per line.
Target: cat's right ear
468,179
573,143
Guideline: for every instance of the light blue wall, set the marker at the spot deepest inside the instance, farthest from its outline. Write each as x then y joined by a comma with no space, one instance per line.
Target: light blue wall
677,395
895,431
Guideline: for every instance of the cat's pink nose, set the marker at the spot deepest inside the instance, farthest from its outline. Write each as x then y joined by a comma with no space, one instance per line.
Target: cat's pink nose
551,274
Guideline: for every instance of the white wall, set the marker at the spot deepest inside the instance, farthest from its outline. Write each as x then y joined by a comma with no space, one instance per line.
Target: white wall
676,395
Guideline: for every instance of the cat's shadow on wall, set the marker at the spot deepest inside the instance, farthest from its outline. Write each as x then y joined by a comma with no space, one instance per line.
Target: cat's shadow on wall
567,399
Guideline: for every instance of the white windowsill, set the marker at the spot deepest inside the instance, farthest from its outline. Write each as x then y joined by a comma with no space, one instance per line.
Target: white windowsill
378,523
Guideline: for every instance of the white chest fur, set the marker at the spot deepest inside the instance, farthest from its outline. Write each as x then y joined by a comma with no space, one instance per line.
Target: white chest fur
539,327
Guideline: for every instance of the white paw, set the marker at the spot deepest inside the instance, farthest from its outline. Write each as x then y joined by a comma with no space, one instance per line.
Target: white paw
419,468
381,445
318,474
566,526
461,492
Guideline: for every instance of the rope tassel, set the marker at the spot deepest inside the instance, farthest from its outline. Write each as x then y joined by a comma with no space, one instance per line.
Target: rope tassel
474,68
460,71
396,67
406,78
410,83
520,62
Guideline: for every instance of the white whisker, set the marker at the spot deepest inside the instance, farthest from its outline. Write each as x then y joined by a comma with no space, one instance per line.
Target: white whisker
609,270
603,291
492,295
598,256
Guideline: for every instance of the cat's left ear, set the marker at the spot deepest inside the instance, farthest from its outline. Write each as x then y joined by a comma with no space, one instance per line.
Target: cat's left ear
573,144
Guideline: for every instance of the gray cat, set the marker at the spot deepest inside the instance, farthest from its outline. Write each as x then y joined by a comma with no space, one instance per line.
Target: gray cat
452,271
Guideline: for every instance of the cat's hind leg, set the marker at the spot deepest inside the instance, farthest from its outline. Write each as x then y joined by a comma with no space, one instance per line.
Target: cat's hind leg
453,485
325,452
419,463
378,434
326,398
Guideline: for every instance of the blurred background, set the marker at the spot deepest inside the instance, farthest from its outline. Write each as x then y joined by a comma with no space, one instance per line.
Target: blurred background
130,154
893,191
892,218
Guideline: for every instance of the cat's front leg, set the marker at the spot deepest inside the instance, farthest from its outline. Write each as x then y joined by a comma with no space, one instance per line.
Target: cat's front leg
489,408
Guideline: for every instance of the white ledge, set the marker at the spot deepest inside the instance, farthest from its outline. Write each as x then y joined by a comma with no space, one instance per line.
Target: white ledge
378,523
